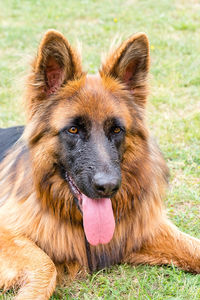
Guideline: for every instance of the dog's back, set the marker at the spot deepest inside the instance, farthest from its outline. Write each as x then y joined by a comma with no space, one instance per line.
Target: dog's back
8,137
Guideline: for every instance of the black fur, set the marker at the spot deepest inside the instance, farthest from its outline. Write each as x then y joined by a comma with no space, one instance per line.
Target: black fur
8,137
95,174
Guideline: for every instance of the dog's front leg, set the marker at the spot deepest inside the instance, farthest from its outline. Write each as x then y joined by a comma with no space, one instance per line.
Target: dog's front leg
25,266
168,245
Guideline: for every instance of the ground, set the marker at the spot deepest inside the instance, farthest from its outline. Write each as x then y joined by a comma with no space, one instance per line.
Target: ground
173,28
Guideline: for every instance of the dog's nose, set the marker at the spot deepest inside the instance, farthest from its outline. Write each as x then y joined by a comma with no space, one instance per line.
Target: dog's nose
106,185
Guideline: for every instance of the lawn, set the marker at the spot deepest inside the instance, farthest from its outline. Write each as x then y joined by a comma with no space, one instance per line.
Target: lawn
173,28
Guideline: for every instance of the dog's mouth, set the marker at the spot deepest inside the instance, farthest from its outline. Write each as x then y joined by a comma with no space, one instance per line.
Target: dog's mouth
76,192
98,217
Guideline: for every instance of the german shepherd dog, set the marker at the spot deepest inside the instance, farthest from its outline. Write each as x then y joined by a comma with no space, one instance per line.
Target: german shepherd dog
81,186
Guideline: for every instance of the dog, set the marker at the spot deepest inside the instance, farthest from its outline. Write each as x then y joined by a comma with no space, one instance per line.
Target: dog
81,186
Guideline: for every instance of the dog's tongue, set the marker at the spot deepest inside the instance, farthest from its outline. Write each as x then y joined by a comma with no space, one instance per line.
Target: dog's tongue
98,220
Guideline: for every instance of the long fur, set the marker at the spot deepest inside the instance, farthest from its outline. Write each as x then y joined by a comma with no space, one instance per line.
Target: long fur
40,224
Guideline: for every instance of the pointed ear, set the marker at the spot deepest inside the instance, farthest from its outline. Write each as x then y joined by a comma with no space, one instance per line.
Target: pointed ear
55,64
130,64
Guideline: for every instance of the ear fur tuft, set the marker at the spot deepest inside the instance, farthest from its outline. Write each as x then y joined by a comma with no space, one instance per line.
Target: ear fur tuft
56,62
129,63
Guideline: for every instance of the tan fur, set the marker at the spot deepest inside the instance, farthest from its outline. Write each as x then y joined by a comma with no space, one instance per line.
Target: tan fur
40,225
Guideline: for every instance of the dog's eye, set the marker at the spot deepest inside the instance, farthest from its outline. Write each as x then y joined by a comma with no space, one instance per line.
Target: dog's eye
116,130
73,130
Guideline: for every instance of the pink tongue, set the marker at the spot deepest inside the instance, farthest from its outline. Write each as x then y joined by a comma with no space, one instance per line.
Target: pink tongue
98,220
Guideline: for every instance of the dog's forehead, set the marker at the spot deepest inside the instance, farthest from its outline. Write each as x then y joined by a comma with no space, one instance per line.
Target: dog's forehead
95,98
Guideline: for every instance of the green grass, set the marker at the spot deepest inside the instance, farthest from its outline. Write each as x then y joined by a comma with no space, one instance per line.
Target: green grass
173,28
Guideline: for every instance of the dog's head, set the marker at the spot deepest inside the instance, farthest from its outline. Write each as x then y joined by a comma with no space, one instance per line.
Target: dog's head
84,125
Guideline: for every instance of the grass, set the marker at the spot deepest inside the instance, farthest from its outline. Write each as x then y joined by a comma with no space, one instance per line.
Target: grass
173,28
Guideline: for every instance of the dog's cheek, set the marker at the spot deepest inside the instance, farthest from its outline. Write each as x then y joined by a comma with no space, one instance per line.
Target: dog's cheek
67,150
116,151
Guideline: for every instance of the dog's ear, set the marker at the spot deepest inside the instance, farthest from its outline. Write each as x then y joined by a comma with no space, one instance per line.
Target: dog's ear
55,64
130,64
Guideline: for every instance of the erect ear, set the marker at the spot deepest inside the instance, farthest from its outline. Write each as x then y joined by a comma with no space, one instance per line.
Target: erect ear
56,63
130,64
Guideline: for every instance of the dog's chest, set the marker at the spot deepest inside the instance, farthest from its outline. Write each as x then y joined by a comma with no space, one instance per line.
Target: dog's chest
69,244
104,256
66,242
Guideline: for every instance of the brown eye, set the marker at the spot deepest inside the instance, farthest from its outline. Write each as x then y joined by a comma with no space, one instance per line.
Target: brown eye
73,130
116,129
